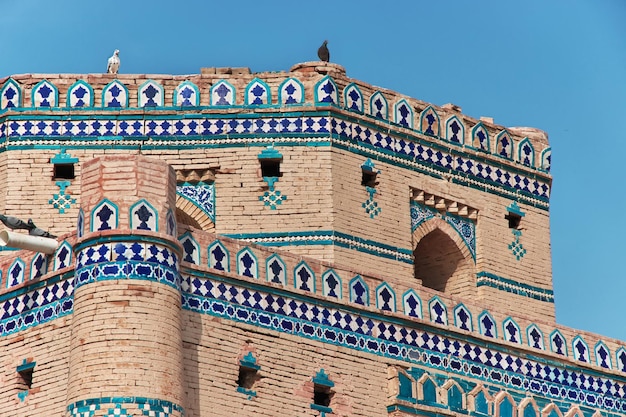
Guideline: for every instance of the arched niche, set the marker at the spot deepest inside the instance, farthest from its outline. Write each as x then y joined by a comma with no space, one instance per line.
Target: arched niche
442,260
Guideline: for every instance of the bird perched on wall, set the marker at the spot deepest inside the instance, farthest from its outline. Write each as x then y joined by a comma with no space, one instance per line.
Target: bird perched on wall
323,53
35,231
114,63
13,222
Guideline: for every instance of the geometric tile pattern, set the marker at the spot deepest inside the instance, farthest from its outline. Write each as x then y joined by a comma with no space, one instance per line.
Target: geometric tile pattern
115,94
154,261
201,194
125,406
326,91
80,94
15,274
380,144
186,94
10,95
272,198
370,206
150,94
31,307
327,237
455,130
352,98
219,297
63,256
104,216
219,257
463,226
44,94
291,92
257,93
516,246
143,216
403,114
378,106
62,201
509,285
191,249
429,122
222,94
504,145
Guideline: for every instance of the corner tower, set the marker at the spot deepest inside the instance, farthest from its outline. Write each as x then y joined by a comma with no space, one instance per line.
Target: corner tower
126,344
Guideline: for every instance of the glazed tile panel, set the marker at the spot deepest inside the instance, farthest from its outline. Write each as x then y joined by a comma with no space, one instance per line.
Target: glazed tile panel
366,139
400,339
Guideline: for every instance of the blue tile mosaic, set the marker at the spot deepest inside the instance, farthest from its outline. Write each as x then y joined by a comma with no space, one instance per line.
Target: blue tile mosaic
291,91
115,95
462,318
247,264
201,194
15,273
63,256
526,153
403,114
191,249
44,94
504,145
480,137
127,260
509,285
400,340
104,216
38,266
516,247
412,304
429,122
219,257
222,94
374,142
187,94
276,271
125,406
62,201
10,95
150,94
80,94
326,91
352,98
36,305
257,93
144,217
379,107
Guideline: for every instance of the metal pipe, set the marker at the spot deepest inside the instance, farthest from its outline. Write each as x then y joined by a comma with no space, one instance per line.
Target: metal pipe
33,243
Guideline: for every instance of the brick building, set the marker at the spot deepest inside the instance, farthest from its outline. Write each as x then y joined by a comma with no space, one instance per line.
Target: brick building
281,243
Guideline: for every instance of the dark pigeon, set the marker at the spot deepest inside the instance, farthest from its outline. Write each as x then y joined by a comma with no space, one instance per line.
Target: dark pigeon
35,231
13,222
323,53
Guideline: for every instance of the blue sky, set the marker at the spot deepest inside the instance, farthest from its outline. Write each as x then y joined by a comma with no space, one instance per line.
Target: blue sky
556,65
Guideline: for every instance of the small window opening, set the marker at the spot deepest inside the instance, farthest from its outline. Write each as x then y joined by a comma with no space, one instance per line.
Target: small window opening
368,179
247,377
25,375
322,395
64,171
270,168
514,220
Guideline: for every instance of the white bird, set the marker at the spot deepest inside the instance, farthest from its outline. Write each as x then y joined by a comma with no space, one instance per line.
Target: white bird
114,63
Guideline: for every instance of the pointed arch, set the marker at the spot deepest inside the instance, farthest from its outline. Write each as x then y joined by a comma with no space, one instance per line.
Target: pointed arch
38,266
557,343
222,94
534,336
429,122
15,273
331,284
454,395
479,401
186,94
247,263
304,277
62,256
195,205
546,159
150,94
44,94
353,98
403,114
528,408
603,355
426,390
218,256
143,216
551,410
104,216
80,94
412,304
359,291
191,248
257,93
379,107
438,311
574,411
455,130
276,270
385,297
10,95
620,359
487,325
511,331
453,274
526,153
463,317
115,94
580,350
504,405
505,145
291,91
480,137
326,91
